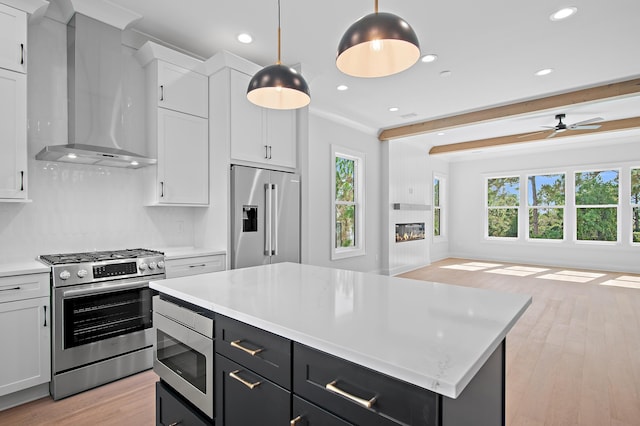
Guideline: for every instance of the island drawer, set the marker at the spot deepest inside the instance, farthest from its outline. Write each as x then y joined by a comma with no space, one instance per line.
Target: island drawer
172,409
308,414
359,394
21,287
245,398
265,353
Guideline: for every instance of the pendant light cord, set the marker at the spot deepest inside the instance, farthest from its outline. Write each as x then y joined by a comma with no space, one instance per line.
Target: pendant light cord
279,36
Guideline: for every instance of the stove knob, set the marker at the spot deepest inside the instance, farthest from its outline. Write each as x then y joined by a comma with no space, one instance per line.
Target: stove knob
152,265
65,275
82,273
142,266
161,264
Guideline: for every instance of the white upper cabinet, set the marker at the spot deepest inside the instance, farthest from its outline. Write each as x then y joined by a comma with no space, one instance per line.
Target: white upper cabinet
13,105
260,135
177,127
183,158
13,39
182,90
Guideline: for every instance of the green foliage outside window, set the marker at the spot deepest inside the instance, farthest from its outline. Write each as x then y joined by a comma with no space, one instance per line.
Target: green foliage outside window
345,202
436,207
635,201
503,193
599,191
546,200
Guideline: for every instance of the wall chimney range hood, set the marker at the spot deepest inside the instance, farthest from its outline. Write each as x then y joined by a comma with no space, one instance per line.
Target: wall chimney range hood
95,93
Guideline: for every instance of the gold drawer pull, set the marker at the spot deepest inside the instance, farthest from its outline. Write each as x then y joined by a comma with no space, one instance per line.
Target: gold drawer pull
295,421
364,402
252,352
234,375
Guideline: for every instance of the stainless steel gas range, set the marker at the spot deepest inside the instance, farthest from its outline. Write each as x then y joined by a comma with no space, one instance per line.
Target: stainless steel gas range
102,316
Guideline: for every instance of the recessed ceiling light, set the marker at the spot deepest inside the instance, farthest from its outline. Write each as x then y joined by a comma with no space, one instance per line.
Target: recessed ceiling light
440,133
545,71
563,13
342,87
394,109
245,38
445,73
430,58
134,163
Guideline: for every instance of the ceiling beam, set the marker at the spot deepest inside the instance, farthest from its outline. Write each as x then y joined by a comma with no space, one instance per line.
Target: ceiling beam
606,126
606,91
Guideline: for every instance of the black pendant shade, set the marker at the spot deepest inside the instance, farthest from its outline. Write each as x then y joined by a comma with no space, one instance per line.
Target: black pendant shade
278,87
377,45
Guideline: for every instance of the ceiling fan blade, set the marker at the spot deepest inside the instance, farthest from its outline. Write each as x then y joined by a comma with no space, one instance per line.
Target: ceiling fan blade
552,135
591,120
590,127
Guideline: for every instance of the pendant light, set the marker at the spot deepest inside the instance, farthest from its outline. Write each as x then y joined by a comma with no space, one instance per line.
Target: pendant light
377,45
278,86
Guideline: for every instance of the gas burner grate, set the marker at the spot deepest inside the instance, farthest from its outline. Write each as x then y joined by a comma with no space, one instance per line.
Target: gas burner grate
97,256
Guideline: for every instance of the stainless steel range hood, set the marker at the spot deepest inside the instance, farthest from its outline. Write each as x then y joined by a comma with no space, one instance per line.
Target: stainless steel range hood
95,94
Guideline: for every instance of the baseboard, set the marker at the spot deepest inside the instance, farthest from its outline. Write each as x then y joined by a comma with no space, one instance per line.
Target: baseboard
23,396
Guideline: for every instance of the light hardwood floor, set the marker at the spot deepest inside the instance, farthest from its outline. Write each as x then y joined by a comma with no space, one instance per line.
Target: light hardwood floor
572,359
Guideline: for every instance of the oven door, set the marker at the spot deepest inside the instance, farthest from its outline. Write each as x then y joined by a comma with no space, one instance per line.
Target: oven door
184,359
94,322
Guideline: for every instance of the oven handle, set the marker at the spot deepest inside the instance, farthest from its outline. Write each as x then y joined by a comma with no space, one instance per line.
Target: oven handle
108,288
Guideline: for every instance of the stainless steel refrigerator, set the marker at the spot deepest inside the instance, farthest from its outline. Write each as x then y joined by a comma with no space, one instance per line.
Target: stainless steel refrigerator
265,217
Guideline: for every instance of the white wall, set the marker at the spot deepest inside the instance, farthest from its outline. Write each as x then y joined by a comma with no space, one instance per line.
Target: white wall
410,180
316,205
467,208
78,207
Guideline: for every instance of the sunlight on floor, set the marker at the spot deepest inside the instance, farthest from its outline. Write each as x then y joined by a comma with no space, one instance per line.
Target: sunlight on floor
517,271
473,266
572,276
625,281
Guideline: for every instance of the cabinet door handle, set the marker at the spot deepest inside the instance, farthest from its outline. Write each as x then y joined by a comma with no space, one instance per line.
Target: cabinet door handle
45,315
162,92
21,53
10,289
234,375
368,403
266,151
269,152
161,189
295,421
22,180
253,352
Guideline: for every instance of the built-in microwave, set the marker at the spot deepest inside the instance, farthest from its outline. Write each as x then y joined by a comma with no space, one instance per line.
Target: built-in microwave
183,350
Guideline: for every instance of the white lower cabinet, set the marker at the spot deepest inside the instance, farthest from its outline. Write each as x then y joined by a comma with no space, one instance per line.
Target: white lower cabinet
195,265
25,356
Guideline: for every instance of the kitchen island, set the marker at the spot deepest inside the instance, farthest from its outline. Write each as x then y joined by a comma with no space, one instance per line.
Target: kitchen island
436,347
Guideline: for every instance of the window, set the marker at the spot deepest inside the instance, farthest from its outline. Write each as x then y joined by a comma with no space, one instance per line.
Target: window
503,199
597,205
635,205
545,198
348,205
438,188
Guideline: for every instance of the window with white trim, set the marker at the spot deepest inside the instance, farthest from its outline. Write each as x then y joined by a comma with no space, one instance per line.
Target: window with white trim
503,199
635,205
348,203
546,202
597,202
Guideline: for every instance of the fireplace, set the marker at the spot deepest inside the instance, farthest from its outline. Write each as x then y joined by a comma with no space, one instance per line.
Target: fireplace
409,232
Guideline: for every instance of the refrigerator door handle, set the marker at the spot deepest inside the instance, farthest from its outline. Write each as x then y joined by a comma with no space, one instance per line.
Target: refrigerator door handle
267,219
275,220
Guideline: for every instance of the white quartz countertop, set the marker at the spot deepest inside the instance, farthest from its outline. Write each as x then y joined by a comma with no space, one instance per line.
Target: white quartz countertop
436,336
171,253
23,268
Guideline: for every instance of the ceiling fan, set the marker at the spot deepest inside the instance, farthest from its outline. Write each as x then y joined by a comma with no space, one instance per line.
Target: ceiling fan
561,127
